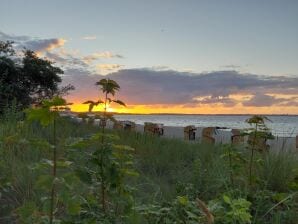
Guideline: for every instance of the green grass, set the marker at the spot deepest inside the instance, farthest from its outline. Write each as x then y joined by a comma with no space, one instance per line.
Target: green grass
167,168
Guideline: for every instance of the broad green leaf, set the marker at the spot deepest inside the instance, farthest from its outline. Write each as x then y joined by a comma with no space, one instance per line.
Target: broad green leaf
54,102
42,115
226,199
183,200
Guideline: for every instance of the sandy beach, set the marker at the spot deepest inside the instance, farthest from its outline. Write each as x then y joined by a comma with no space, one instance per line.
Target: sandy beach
221,136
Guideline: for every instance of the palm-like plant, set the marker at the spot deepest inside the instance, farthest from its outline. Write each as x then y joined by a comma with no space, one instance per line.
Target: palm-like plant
108,87
93,104
258,132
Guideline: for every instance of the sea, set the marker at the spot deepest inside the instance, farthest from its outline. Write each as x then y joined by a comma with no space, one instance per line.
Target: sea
283,125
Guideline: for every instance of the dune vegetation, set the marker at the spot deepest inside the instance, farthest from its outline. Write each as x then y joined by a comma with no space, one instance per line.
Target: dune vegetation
147,179
54,169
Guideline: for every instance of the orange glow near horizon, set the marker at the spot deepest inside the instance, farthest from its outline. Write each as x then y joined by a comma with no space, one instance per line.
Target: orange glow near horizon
182,109
216,108
79,107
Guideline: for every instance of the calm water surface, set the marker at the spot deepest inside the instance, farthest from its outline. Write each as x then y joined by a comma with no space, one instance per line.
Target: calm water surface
280,125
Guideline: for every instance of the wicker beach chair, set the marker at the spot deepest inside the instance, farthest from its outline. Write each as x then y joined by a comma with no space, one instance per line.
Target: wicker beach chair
125,125
236,137
153,128
190,133
207,135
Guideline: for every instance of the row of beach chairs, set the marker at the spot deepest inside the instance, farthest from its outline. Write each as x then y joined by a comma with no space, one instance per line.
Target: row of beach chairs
191,133
207,134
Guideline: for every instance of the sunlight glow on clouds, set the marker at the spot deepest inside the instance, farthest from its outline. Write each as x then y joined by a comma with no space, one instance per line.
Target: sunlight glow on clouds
55,50
35,44
106,68
161,90
99,55
40,46
168,91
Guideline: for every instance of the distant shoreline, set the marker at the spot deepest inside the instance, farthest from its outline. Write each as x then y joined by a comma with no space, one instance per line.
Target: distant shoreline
179,114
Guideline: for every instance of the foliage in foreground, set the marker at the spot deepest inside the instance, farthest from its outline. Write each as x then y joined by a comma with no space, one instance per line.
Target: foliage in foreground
148,179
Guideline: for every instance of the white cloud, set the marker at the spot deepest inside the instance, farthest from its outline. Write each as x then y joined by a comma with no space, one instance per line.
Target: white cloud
89,38
107,68
89,59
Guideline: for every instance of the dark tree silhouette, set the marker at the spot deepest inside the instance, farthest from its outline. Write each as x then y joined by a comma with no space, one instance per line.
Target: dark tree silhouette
27,79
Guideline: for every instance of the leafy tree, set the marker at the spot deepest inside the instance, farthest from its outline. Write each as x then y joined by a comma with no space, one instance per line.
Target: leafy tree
11,84
27,79
42,78
6,48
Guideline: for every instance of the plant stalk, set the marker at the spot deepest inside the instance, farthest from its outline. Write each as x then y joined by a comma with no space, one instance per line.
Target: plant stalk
252,154
231,169
103,200
54,171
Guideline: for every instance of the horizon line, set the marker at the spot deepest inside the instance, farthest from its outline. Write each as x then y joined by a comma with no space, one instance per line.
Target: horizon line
119,113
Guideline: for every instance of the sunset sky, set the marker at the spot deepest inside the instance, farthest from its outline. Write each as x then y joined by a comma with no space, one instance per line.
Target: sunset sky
169,56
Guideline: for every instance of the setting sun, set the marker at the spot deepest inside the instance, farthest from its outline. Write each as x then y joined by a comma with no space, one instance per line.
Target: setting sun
149,111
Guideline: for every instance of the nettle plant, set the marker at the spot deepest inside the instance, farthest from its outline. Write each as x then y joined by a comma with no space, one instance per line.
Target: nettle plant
108,164
109,88
180,210
231,210
258,135
47,114
235,161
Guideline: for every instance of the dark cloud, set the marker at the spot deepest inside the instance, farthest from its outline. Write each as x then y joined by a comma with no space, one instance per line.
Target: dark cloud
67,61
147,86
34,44
290,103
56,58
224,100
41,45
99,55
15,38
84,82
262,100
